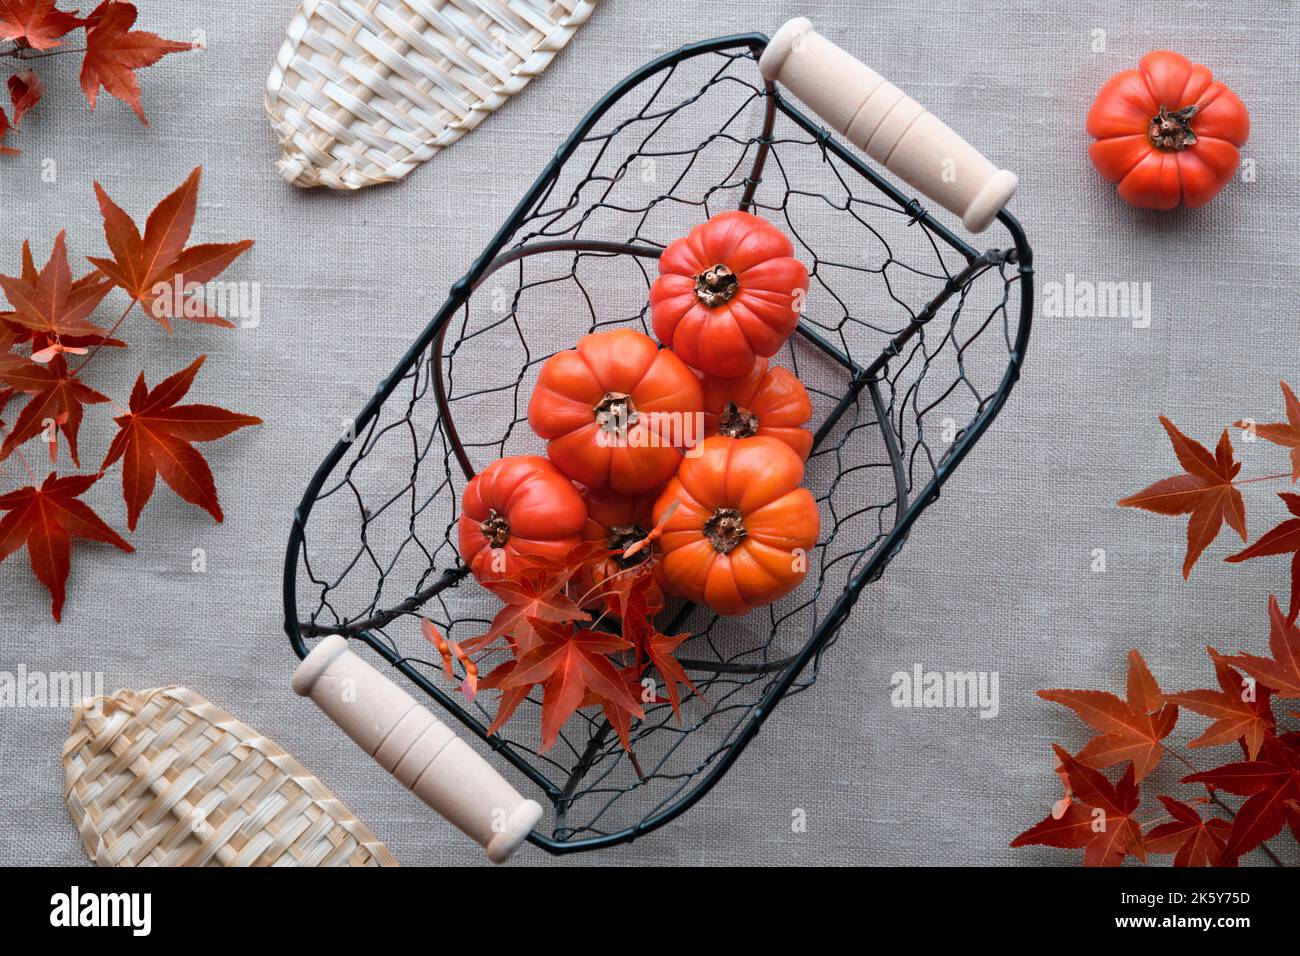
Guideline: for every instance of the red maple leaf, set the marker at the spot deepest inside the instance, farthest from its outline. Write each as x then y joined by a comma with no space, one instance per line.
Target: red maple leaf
1284,539
660,649
45,337
1241,710
35,23
1069,829
1193,841
511,697
1205,492
49,306
1131,729
615,711
1282,671
1103,827
562,570
156,269
540,622
114,52
56,396
1272,783
46,519
1287,433
154,439
25,91
534,596
8,339
4,128
569,664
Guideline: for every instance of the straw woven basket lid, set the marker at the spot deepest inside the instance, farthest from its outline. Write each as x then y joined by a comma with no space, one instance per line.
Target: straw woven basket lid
363,91
164,777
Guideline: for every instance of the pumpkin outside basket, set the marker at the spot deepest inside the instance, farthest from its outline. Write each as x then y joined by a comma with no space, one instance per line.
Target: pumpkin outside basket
910,343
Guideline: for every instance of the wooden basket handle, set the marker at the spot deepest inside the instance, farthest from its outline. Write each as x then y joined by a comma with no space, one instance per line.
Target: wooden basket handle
887,124
416,747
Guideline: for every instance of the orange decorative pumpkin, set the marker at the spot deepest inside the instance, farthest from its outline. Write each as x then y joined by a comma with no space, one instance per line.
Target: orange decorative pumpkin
764,401
741,535
1167,132
727,293
617,411
617,522
518,506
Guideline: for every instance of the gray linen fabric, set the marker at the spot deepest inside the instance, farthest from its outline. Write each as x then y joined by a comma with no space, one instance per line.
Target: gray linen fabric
998,575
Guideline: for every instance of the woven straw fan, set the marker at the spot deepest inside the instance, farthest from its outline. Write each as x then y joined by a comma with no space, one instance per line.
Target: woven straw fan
363,91
163,777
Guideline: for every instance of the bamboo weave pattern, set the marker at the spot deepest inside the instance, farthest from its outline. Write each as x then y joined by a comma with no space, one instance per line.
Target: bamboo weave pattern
363,91
163,777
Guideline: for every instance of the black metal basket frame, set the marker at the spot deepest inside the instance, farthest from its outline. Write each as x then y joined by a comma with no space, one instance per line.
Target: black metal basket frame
861,377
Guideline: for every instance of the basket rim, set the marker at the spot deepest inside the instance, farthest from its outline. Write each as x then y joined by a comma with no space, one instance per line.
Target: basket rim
459,293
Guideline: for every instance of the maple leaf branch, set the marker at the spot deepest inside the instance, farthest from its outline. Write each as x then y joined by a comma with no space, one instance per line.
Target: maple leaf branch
26,53
100,344
27,465
1152,824
1217,801
1251,481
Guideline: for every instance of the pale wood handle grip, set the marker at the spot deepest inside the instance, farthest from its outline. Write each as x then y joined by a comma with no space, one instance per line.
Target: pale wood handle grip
416,747
887,124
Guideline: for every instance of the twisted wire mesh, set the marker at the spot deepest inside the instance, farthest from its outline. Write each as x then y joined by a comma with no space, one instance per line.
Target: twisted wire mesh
905,340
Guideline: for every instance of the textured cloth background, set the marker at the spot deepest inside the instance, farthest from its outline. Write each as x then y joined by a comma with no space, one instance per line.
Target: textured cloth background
998,574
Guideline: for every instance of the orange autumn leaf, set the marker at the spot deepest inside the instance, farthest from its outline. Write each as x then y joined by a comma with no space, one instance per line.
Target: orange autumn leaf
1281,672
1131,729
157,269
56,396
1067,827
1287,433
155,438
36,23
1100,821
1283,539
1193,841
569,663
46,519
4,129
1272,785
114,52
616,711
25,90
49,305
49,317
556,649
1205,492
511,697
1240,711
533,597
660,648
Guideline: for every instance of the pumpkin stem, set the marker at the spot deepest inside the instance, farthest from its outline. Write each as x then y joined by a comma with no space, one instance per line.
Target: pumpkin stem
716,286
495,528
622,537
615,411
1172,132
737,421
725,530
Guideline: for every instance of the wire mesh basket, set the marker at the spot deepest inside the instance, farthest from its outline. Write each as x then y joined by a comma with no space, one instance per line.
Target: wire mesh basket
909,343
